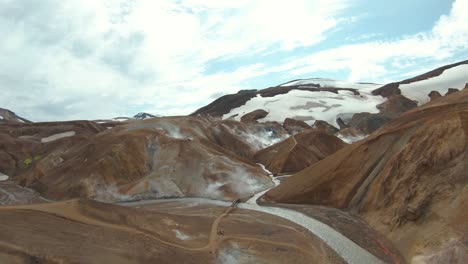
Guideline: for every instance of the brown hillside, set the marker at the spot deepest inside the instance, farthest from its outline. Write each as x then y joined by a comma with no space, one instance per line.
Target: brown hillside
160,157
299,151
408,180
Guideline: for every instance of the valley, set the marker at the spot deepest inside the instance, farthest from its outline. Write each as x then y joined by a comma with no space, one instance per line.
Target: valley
309,171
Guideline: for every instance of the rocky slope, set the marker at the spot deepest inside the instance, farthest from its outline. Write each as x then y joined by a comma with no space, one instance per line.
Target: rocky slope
408,180
298,152
7,116
337,102
160,157
23,144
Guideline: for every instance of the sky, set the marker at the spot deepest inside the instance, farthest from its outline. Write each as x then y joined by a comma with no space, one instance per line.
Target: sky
88,59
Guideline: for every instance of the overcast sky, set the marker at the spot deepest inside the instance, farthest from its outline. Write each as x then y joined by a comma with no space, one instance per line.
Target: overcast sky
77,59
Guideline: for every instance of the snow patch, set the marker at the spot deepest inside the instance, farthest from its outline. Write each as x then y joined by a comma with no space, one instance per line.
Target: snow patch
180,235
58,136
309,106
455,77
333,83
351,139
120,119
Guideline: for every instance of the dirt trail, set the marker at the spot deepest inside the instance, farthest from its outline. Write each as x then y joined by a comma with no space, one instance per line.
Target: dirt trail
343,246
69,211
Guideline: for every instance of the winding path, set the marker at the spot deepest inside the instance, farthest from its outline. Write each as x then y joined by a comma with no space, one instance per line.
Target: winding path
343,246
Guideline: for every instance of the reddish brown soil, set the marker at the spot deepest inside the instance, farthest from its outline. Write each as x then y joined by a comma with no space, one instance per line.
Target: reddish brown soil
408,180
137,160
91,232
299,151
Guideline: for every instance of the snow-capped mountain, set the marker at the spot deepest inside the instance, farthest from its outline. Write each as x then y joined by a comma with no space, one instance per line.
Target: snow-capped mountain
330,100
441,80
143,116
323,82
307,100
9,116
139,116
310,106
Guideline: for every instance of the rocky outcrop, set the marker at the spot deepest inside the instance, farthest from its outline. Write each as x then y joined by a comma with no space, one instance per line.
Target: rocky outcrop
253,116
7,116
451,91
396,105
434,95
408,180
294,126
366,123
341,123
299,151
325,126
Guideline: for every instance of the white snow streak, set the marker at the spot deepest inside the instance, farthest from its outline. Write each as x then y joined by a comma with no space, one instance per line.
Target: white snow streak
351,139
334,83
58,136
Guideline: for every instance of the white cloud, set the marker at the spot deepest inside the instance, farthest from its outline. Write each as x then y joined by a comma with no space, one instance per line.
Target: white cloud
94,59
371,61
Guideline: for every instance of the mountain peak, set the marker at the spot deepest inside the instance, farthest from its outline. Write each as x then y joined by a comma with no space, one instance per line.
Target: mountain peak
143,116
9,116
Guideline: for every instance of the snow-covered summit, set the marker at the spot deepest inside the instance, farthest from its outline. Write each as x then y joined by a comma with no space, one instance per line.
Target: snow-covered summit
309,106
329,100
324,82
9,116
143,116
441,80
